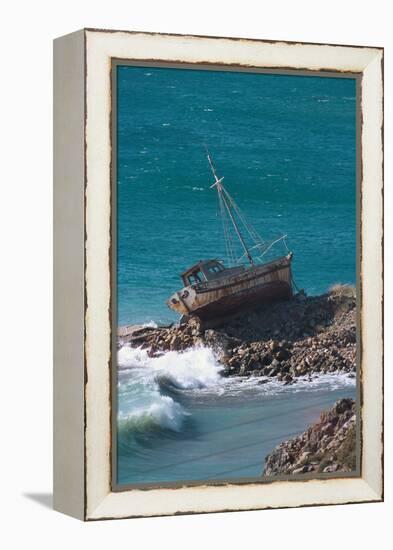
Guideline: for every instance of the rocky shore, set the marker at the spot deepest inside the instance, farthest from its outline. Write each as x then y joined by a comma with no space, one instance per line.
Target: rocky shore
301,337
329,445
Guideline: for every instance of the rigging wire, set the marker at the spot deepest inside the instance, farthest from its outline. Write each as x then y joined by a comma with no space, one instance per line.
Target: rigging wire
229,210
228,240
248,227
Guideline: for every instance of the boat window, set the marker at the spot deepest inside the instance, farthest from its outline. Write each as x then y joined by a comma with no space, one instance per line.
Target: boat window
215,269
196,277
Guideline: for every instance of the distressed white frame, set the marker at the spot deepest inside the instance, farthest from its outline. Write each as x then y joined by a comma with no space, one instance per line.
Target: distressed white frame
100,48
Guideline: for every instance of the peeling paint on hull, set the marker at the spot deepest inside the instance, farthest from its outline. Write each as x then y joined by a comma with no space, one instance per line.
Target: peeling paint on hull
245,299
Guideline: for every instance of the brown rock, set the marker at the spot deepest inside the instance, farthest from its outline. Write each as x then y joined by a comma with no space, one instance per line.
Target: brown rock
329,445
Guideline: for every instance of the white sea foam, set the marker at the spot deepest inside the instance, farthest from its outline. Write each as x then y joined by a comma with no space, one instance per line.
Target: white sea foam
131,357
194,368
270,387
150,324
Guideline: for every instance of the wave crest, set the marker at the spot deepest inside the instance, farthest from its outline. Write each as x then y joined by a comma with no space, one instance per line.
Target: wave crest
163,412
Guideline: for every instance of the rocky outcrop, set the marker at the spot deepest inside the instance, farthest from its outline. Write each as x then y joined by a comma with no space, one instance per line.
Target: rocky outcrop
300,337
327,446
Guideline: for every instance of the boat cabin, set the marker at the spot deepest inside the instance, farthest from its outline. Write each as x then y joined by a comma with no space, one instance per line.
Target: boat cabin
202,272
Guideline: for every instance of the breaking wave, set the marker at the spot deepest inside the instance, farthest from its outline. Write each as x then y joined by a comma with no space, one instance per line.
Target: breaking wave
142,404
162,412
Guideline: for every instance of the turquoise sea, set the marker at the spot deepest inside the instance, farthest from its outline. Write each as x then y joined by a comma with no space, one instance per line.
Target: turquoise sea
286,146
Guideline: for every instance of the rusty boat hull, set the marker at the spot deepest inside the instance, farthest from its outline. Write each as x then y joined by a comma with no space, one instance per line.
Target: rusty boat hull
227,295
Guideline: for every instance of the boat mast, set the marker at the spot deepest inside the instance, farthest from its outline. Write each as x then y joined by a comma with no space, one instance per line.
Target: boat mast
220,190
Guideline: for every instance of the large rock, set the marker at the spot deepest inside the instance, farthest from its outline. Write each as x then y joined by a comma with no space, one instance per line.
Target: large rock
220,342
329,445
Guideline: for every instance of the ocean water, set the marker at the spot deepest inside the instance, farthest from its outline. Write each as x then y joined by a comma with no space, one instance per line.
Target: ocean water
286,146
179,420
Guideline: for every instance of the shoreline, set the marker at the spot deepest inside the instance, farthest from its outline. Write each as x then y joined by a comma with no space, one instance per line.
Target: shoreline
293,343
304,336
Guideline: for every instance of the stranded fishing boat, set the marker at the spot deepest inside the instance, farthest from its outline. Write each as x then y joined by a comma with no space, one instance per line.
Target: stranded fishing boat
212,290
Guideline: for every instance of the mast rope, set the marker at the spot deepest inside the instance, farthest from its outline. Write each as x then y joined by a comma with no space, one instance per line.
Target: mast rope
257,239
228,209
228,241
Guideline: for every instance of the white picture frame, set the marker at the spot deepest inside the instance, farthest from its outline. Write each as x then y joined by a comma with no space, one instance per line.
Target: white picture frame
83,333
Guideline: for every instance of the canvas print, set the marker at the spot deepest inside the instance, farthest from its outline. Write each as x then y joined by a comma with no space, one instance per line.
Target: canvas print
235,275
